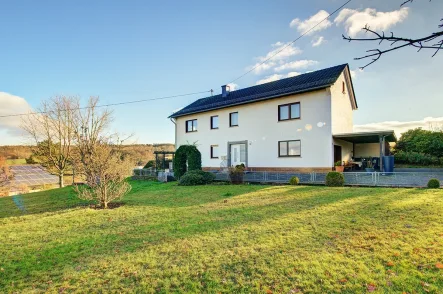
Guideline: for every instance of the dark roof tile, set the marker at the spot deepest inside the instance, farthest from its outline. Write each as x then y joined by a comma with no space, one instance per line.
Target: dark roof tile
303,83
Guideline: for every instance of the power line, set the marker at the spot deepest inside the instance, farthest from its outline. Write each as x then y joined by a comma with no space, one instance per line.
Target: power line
290,43
110,104
195,93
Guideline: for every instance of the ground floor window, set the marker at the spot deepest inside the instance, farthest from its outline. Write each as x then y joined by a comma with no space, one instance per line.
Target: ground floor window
214,151
290,148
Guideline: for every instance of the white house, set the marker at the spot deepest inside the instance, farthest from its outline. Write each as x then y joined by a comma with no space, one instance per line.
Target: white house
302,123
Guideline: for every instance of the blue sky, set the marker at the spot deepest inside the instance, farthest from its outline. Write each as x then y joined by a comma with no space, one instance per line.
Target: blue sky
132,50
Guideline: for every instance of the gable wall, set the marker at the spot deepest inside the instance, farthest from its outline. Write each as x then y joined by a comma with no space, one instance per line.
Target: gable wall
342,113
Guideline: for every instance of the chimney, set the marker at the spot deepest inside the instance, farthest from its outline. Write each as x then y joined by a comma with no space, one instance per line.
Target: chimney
225,92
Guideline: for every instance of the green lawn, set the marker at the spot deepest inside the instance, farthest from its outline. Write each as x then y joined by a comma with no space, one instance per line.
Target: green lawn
211,239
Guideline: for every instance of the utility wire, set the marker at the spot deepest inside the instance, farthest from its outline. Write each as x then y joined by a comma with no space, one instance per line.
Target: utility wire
110,104
195,93
292,42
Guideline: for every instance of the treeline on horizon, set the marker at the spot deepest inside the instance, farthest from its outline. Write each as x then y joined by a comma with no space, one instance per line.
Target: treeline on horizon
140,153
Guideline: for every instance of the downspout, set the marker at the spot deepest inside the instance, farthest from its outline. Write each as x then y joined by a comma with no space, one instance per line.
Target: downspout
175,126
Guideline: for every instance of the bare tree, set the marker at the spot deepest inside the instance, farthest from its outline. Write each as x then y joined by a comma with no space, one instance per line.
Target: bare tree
5,177
433,41
52,129
100,157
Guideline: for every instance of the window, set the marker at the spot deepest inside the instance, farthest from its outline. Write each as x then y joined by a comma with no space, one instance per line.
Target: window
289,148
289,111
233,119
343,88
191,126
214,122
214,151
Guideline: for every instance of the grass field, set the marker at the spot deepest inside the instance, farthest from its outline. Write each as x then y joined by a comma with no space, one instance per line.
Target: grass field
242,239
19,161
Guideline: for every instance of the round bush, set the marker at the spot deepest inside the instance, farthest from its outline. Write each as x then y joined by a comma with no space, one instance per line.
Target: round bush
186,154
196,177
294,181
433,184
335,179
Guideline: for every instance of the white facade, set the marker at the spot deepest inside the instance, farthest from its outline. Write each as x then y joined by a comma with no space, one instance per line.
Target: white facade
323,113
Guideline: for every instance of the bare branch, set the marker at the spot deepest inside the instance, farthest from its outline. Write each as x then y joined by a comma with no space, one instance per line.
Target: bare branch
418,43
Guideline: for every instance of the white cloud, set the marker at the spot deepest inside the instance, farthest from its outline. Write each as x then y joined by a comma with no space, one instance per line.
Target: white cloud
278,54
304,25
285,53
232,86
400,127
293,74
259,68
355,20
276,77
10,126
318,41
295,65
356,73
269,79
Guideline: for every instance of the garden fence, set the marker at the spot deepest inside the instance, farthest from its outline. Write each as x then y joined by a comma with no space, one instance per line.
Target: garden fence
395,179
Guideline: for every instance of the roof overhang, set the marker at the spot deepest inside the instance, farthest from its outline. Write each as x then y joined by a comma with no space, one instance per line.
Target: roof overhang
350,85
367,137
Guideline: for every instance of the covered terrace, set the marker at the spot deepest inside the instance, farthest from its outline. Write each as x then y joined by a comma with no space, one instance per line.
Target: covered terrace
356,149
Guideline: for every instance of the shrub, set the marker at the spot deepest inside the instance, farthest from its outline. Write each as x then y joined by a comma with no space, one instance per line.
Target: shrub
294,181
150,164
187,158
30,160
237,173
433,184
421,141
335,179
417,158
196,177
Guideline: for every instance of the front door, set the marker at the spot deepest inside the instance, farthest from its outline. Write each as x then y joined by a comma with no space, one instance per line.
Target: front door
337,153
238,154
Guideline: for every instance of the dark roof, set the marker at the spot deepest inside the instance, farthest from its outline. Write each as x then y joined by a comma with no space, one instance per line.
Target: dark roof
315,80
367,137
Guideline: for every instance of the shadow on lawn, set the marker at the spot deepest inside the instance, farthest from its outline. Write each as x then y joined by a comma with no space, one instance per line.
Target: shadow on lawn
40,202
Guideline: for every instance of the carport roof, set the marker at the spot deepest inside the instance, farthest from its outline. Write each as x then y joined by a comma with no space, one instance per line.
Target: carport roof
367,137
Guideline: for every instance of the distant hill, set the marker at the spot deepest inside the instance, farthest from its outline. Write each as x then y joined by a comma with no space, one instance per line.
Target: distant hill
141,153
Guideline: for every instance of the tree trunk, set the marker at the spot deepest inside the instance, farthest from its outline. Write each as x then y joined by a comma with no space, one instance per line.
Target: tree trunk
60,181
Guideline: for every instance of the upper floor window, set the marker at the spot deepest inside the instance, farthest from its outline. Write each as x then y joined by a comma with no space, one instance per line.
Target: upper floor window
289,148
191,126
289,111
214,122
233,119
214,151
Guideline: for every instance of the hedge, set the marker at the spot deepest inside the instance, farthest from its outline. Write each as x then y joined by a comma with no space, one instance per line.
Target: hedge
186,154
417,158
